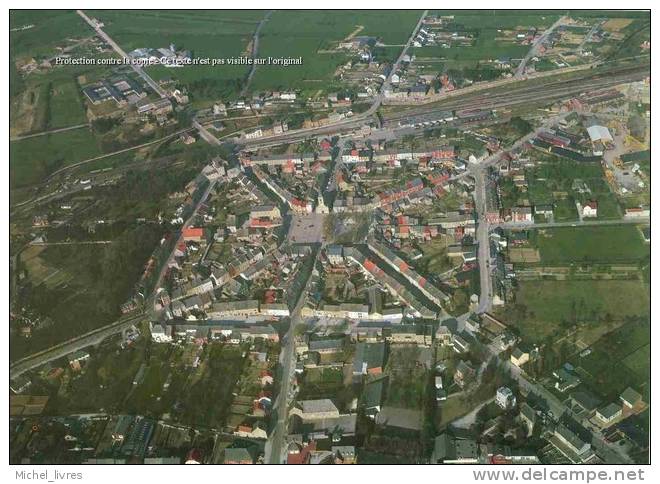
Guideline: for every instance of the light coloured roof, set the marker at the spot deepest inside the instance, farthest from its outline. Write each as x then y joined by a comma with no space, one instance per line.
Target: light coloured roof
318,406
599,133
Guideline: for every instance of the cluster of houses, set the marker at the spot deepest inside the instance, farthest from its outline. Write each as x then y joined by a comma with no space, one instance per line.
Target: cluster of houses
224,270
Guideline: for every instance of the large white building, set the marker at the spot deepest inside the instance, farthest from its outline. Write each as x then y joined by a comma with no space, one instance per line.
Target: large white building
505,398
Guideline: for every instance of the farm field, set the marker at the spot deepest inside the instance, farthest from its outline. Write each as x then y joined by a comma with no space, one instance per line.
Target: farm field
66,104
544,308
87,285
48,97
48,101
50,28
304,33
213,34
606,244
484,28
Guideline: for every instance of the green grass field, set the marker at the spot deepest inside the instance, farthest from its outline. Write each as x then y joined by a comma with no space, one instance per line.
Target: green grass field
35,158
619,359
66,105
606,244
543,308
51,28
304,33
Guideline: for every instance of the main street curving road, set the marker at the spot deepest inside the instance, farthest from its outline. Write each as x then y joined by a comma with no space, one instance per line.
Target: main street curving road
479,171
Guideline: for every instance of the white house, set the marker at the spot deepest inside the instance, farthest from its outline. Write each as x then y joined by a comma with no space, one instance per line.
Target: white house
590,209
158,333
505,398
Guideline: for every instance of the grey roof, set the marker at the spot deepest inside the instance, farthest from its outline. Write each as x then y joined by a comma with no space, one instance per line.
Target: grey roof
404,418
528,412
571,437
447,447
631,396
373,393
586,400
315,406
344,423
237,455
326,344
610,410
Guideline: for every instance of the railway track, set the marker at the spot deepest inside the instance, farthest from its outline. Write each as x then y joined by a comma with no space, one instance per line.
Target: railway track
552,90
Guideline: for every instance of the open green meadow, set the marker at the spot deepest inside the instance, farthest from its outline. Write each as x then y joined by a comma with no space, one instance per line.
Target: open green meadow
66,104
33,159
50,29
604,244
545,308
313,35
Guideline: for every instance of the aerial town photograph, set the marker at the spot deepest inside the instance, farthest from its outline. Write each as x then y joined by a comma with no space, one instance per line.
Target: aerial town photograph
329,237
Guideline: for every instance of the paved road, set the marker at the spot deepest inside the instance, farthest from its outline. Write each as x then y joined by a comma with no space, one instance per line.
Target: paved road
59,351
74,242
348,123
59,194
610,452
124,150
139,70
388,82
50,131
163,270
552,88
275,452
255,51
479,171
483,254
536,45
483,98
583,223
206,135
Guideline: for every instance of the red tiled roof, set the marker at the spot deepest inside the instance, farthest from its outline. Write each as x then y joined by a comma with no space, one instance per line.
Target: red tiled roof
193,232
